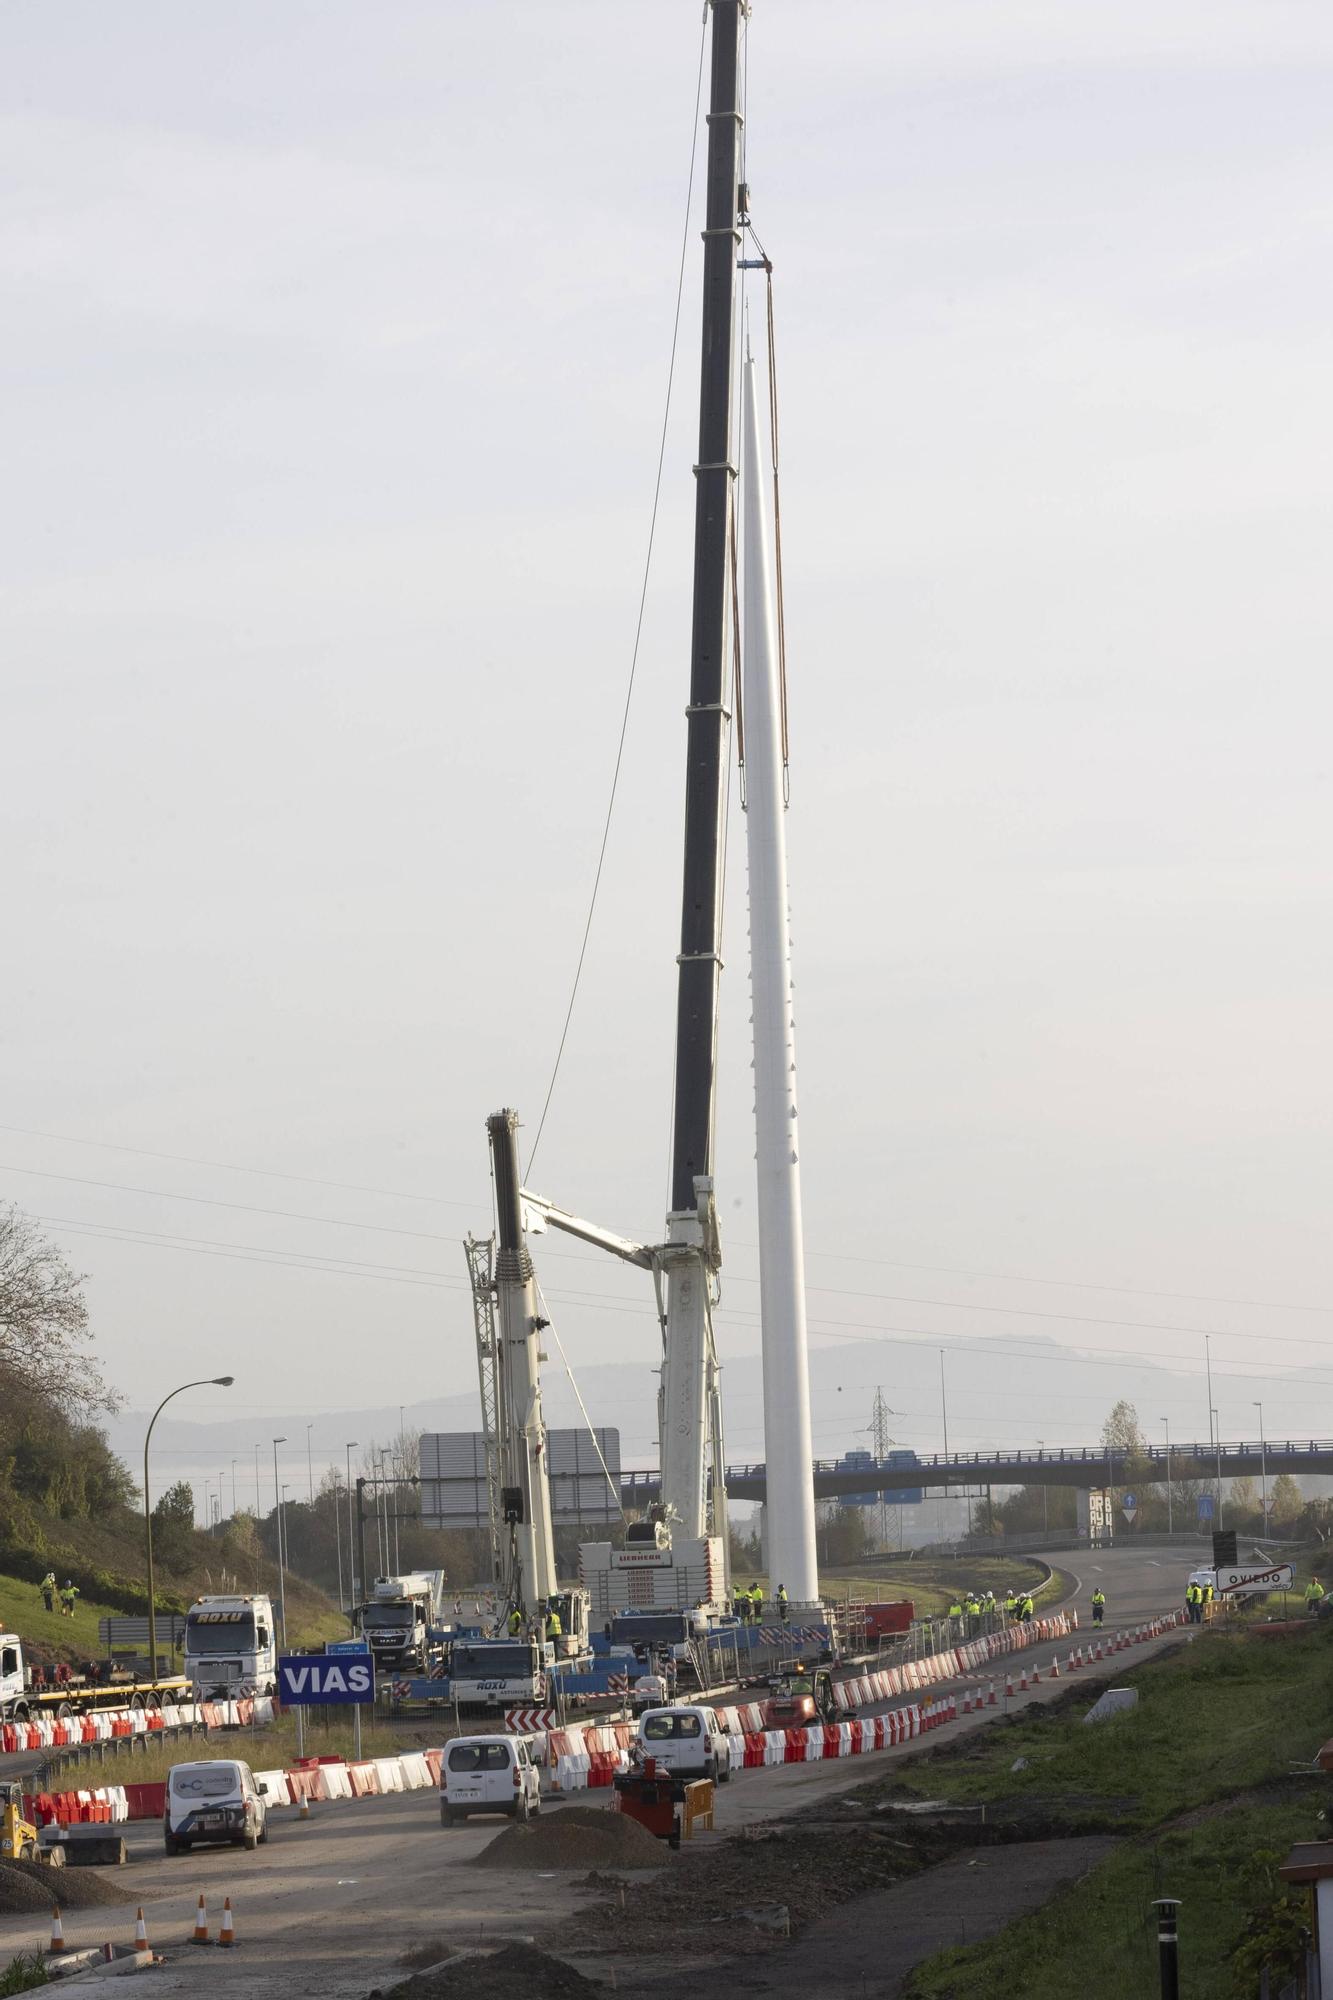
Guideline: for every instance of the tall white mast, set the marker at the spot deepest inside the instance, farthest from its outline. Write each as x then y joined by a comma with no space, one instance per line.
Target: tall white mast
790,1477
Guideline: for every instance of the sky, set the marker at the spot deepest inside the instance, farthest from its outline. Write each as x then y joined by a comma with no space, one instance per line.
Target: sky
335,353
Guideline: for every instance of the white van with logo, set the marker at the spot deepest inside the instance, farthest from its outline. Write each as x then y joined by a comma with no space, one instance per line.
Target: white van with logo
688,1741
488,1774
217,1800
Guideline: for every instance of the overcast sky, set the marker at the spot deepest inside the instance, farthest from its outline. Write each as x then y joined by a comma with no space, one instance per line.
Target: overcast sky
335,348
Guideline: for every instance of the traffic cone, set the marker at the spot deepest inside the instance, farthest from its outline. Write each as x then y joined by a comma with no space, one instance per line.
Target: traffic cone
1009,1684
1036,1677
1055,1667
200,1924
991,1696
227,1935
57,1931
141,1933
304,1810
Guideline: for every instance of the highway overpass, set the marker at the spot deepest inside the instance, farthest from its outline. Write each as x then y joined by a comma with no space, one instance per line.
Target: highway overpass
1084,1467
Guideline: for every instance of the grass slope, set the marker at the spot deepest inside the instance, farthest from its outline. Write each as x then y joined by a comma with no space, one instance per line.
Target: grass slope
1201,1772
931,1585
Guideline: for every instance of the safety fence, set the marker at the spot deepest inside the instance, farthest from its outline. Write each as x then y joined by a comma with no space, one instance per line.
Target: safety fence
107,1725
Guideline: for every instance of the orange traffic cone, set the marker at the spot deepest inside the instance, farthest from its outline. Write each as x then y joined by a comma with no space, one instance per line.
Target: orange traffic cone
1055,1668
1036,1677
227,1935
141,1933
57,1930
200,1924
304,1809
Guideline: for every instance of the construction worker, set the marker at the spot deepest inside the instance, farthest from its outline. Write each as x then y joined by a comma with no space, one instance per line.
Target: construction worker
1098,1605
1010,1606
1028,1608
515,1623
48,1590
1314,1596
757,1603
1193,1601
69,1591
740,1604
782,1602
972,1612
955,1617
553,1626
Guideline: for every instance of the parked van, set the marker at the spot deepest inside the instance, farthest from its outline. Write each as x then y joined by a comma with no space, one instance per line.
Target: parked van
214,1800
488,1774
688,1741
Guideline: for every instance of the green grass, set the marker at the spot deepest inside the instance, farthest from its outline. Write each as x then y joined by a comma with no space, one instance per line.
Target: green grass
21,1611
1224,1714
1098,1939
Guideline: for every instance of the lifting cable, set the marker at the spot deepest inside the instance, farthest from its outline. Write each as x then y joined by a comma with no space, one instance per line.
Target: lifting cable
643,599
553,1329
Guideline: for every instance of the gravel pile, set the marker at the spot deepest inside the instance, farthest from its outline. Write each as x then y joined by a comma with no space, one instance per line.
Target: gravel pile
576,1837
27,1885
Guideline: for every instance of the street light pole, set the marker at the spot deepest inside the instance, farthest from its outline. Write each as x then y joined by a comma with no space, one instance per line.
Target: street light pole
309,1464
1263,1465
1217,1434
944,1416
207,1382
338,1538
1045,1512
277,1522
351,1538
1166,1426
235,1462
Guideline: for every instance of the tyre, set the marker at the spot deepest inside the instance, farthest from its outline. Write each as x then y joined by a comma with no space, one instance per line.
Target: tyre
263,1831
724,1775
172,1845
712,1771
522,1809
250,1840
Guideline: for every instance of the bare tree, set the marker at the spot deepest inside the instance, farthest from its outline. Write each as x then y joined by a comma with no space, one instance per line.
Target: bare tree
44,1321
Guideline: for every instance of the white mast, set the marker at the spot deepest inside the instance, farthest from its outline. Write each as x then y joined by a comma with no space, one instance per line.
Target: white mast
790,1479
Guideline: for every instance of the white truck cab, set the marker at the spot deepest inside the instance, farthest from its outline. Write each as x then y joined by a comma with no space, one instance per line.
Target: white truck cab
687,1740
488,1774
231,1647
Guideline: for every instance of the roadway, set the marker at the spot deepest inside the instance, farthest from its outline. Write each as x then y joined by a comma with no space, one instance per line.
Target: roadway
326,1908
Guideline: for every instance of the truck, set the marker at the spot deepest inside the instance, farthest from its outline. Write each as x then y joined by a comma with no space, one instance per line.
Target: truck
655,1571
26,1692
500,1673
231,1647
399,1619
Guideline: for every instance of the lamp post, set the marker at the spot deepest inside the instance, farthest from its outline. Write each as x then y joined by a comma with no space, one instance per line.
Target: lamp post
1045,1513
944,1417
338,1538
309,1464
1166,1426
235,1462
1263,1465
351,1539
205,1382
277,1522
1217,1440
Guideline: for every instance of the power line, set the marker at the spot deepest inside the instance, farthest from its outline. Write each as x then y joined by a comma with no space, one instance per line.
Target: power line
241,1207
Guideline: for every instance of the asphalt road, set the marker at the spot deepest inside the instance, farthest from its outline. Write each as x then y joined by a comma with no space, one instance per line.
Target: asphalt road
327,1907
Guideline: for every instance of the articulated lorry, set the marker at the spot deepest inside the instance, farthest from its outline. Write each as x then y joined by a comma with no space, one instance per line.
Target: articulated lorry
62,1690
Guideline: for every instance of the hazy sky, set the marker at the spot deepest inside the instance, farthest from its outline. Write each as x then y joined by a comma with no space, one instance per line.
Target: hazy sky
335,344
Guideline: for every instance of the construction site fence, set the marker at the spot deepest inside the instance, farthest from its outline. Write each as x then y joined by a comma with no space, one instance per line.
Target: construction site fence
78,1739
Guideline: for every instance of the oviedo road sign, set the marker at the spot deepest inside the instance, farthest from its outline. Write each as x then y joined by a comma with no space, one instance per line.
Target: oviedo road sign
310,1680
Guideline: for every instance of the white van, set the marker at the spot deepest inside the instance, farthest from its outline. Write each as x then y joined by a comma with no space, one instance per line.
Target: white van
488,1774
688,1741
213,1800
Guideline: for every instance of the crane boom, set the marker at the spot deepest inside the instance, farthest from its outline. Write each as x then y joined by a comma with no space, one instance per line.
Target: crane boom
690,1406
525,1490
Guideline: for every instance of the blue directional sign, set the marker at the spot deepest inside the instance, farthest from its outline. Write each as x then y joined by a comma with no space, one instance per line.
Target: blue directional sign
1205,1506
310,1680
1129,1503
348,1646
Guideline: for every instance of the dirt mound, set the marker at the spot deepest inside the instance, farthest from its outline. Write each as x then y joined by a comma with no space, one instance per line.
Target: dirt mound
577,1837
27,1885
518,1968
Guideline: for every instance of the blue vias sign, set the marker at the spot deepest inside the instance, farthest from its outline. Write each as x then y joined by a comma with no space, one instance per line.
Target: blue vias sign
309,1680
